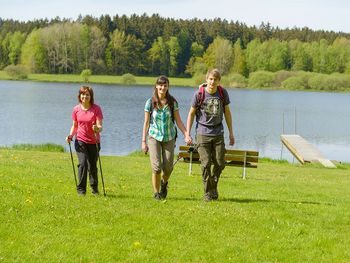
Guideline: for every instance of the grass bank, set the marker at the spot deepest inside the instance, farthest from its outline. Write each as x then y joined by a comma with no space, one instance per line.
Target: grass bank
103,79
281,213
280,80
47,147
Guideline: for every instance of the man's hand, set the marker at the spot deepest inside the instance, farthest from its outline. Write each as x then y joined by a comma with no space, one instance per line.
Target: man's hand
188,139
232,139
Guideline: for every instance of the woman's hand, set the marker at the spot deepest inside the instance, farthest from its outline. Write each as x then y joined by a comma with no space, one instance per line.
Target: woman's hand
145,147
232,139
96,128
69,138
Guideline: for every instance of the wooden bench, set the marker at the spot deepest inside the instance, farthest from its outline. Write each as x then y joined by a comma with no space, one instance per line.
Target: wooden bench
240,158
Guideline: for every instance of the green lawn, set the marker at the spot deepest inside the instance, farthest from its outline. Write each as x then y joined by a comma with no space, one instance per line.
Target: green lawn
280,213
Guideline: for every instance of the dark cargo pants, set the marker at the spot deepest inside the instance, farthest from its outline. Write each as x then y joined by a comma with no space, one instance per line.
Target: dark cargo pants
211,150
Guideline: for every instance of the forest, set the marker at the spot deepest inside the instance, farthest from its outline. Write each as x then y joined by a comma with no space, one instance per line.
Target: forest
152,45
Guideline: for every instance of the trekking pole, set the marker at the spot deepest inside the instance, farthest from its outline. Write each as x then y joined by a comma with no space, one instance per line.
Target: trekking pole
99,160
178,158
193,148
190,167
71,157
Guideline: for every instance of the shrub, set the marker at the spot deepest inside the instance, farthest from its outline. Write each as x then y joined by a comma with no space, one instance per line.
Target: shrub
48,147
85,74
281,76
294,83
306,76
317,82
128,79
261,79
234,80
329,82
347,68
337,82
198,78
16,71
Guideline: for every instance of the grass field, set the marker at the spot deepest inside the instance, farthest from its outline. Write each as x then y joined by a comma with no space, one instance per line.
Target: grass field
281,213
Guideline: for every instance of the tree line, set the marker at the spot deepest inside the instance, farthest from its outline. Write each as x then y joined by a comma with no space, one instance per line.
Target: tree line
153,45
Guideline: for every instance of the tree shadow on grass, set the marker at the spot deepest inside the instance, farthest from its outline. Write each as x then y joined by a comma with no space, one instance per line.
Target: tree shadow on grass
191,198
108,195
116,196
252,200
224,199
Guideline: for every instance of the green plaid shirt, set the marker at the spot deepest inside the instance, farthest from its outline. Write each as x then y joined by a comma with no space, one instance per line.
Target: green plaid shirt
161,126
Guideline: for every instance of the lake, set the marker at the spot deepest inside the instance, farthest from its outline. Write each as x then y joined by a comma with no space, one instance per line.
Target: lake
36,112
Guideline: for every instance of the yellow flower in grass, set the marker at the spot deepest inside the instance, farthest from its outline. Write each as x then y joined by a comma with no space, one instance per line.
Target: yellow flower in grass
137,244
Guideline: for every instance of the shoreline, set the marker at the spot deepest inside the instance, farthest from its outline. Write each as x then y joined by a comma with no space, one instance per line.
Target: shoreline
98,79
143,81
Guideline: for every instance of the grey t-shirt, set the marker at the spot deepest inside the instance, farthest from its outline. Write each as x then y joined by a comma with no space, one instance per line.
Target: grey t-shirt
209,116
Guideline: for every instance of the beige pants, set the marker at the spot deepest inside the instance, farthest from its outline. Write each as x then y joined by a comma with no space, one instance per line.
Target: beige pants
161,155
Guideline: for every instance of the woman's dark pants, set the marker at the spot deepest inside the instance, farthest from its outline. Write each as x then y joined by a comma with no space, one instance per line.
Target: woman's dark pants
87,156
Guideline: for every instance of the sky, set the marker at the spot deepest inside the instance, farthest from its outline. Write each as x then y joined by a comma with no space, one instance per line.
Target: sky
331,15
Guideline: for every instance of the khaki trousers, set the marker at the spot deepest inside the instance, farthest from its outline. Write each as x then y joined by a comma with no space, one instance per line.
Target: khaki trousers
161,155
211,150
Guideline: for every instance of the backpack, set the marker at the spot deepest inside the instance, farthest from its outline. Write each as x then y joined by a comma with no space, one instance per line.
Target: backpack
201,95
172,116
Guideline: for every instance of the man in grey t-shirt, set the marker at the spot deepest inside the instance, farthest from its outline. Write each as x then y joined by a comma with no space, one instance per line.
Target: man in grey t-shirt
210,104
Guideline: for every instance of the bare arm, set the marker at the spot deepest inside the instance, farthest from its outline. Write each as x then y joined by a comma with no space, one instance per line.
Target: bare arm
179,122
189,123
144,132
228,119
97,128
72,132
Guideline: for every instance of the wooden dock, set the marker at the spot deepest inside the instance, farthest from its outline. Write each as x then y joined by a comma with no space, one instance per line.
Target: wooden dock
304,151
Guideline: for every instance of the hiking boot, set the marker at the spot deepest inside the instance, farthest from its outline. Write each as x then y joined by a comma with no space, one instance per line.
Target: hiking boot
94,190
157,196
207,197
163,189
215,194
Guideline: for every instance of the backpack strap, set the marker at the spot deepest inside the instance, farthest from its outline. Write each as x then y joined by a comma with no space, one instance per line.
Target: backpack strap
221,92
222,96
201,95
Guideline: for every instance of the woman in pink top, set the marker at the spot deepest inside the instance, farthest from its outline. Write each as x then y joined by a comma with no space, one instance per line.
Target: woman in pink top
87,125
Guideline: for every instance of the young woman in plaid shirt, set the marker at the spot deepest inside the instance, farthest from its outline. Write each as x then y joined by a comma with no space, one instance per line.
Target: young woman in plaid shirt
161,113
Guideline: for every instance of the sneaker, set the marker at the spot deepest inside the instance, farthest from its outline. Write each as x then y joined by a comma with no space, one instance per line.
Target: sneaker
81,193
157,196
163,189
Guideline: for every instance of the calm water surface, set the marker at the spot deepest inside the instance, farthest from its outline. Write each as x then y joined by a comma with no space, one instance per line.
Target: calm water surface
41,112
